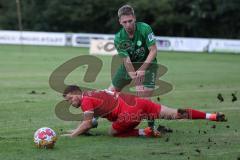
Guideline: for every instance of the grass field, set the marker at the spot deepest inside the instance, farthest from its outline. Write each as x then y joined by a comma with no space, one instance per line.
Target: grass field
197,79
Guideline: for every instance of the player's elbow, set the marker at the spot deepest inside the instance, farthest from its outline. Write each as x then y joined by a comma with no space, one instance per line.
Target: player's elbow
153,49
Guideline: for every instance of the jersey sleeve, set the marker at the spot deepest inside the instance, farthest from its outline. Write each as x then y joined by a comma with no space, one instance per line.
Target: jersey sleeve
87,106
119,45
150,38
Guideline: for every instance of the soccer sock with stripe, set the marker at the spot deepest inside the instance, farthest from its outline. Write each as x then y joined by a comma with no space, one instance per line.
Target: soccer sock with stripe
196,114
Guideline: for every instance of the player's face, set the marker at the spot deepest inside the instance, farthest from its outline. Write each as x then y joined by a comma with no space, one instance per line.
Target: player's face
128,22
73,99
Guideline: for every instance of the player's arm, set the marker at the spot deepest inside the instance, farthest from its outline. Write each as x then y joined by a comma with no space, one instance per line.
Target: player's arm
85,125
152,47
152,54
129,67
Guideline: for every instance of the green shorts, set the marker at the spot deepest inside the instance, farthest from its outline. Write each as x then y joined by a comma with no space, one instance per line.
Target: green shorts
121,77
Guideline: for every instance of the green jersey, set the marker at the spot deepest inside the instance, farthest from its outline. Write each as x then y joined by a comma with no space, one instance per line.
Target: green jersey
137,47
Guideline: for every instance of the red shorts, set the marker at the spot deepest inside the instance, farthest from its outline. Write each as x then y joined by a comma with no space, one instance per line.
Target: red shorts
129,117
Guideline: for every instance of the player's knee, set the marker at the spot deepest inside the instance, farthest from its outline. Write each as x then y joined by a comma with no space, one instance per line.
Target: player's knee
182,113
168,113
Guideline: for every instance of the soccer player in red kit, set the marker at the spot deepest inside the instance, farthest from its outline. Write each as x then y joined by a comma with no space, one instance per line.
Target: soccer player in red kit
125,111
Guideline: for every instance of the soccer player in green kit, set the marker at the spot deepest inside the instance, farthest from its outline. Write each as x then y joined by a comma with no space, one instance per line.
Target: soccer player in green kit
136,45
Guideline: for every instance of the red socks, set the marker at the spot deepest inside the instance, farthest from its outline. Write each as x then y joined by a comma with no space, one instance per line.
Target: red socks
196,114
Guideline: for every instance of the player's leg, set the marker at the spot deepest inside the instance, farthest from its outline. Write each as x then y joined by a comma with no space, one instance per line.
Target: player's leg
147,88
119,80
127,133
168,113
165,112
144,91
171,113
197,114
124,128
146,132
128,120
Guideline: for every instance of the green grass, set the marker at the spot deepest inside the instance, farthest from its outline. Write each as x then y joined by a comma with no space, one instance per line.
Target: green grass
197,79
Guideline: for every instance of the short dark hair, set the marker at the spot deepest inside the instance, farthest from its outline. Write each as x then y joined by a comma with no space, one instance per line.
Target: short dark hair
125,10
71,89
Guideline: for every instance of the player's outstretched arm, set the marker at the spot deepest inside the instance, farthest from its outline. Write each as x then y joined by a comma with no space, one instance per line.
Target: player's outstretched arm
83,127
129,67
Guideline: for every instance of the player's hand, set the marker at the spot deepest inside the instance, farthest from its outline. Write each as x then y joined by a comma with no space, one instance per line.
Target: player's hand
140,73
140,76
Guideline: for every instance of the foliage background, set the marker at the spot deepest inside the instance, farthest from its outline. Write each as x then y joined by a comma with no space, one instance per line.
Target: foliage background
188,18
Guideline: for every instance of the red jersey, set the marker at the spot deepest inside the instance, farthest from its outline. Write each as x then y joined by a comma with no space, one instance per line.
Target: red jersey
110,105
102,103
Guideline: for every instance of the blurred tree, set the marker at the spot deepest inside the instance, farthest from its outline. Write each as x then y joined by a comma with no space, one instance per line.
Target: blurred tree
157,13
94,16
228,18
218,17
191,18
8,15
32,15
